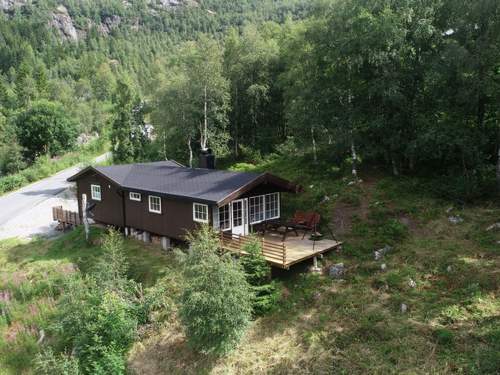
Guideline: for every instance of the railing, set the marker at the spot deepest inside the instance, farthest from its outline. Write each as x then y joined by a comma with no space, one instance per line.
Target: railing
65,217
274,252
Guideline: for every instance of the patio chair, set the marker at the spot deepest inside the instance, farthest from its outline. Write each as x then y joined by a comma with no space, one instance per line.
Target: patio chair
310,223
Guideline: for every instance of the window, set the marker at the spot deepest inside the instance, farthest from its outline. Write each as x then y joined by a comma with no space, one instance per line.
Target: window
155,204
135,196
256,208
224,218
95,192
272,206
200,212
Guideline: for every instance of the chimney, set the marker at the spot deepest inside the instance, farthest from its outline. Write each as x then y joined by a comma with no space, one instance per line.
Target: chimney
207,159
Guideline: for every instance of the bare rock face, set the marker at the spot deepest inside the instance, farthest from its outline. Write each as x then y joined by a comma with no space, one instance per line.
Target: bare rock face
8,5
109,23
63,23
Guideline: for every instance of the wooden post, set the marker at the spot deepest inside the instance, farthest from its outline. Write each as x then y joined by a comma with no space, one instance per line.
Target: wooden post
84,215
284,255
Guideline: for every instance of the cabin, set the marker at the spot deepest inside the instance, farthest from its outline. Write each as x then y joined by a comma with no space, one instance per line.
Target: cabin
166,199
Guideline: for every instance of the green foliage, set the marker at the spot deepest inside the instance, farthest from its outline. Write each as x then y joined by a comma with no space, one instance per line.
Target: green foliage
112,266
216,303
48,363
258,274
45,129
45,166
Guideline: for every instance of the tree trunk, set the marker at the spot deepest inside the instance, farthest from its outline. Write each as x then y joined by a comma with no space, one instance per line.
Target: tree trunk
315,155
354,157
498,160
190,152
395,170
204,134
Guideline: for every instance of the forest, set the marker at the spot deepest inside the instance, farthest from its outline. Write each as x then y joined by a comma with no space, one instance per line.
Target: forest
410,86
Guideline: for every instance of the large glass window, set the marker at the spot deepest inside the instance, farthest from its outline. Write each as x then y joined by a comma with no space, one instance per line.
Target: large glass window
95,192
155,204
224,217
200,212
256,208
272,206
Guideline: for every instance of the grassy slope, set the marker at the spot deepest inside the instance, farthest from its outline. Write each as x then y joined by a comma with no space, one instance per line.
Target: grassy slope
32,273
323,325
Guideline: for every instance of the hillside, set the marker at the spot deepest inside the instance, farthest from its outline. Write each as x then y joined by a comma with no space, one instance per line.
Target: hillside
445,274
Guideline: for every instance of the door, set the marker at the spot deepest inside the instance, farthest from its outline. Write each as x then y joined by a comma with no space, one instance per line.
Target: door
239,219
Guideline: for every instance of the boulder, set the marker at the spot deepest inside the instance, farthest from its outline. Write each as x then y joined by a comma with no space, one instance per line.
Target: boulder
493,226
337,271
404,308
412,283
383,267
455,219
379,254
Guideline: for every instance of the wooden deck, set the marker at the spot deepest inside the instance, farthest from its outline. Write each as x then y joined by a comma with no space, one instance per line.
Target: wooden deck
278,253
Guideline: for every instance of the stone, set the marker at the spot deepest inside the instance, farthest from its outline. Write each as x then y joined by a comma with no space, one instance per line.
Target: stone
337,271
412,283
383,267
379,254
455,219
449,269
493,226
404,308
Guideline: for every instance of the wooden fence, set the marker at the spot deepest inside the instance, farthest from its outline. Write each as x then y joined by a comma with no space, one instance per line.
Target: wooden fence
65,217
274,252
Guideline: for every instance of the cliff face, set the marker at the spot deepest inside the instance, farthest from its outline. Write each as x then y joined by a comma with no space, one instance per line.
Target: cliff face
63,23
62,19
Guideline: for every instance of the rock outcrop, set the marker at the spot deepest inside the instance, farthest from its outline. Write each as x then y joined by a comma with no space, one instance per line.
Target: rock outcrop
63,23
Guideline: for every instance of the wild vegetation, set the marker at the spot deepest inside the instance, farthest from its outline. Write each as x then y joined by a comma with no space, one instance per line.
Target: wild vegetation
445,273
386,112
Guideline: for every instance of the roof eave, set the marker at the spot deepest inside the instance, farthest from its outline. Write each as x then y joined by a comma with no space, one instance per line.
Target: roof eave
283,184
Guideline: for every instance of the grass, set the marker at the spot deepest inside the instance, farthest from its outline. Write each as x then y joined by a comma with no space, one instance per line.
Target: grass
45,166
31,278
320,325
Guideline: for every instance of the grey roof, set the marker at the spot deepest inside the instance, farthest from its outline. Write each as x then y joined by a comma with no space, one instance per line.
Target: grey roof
171,178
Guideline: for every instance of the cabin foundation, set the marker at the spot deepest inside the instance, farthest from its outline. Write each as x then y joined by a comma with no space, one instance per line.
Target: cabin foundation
166,243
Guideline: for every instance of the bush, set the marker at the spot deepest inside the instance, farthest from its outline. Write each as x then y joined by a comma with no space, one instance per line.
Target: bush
258,275
47,363
12,182
216,304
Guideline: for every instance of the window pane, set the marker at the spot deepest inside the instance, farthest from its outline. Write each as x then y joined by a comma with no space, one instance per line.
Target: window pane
224,217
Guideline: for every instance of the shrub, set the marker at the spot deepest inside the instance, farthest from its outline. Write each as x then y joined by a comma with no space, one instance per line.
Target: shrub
99,324
216,303
112,266
444,336
258,274
48,363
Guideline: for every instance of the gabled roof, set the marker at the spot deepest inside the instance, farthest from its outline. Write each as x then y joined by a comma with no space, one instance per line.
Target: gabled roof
170,178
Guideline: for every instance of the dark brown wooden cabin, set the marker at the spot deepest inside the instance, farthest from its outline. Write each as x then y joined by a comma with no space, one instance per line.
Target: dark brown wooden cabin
168,199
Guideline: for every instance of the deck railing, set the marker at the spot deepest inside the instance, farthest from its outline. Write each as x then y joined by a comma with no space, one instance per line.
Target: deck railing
66,217
274,252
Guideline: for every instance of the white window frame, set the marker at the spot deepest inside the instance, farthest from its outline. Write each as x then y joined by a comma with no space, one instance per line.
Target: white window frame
133,196
159,204
205,207
278,206
262,205
96,192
